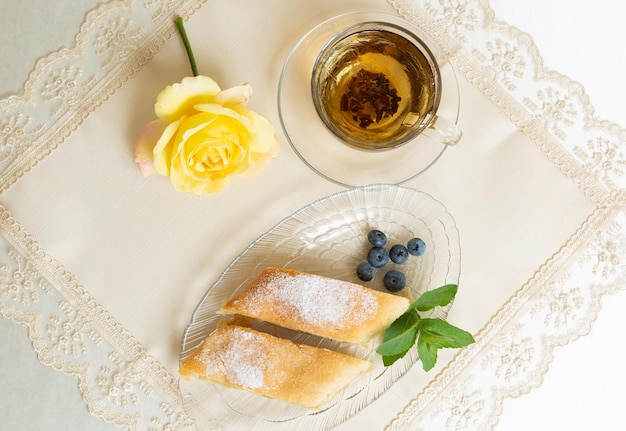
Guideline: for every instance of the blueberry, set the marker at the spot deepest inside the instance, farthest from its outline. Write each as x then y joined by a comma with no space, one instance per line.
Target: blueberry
378,257
377,238
398,253
416,247
394,281
365,271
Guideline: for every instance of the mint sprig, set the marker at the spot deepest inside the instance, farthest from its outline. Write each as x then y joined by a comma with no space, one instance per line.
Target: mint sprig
431,334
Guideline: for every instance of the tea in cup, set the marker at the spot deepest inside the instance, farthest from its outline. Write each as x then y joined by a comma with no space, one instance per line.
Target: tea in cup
376,86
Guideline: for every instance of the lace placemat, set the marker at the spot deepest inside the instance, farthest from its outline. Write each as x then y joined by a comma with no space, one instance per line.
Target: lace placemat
123,384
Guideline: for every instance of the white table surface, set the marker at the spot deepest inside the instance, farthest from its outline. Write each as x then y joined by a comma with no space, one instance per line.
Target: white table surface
583,388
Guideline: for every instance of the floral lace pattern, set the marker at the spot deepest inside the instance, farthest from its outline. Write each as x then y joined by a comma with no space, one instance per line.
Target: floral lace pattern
117,379
115,40
123,385
514,351
559,304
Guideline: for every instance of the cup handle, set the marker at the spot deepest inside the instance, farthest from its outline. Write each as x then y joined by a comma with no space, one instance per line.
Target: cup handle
444,131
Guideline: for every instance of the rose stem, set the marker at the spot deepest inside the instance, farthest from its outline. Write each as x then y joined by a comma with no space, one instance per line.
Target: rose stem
183,34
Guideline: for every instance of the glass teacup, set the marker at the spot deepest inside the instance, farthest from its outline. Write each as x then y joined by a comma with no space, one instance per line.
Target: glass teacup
377,85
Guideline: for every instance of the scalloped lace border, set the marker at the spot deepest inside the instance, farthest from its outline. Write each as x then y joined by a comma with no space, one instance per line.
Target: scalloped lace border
514,350
127,387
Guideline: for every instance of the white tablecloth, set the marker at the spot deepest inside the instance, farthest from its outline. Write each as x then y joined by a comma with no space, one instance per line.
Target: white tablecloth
536,187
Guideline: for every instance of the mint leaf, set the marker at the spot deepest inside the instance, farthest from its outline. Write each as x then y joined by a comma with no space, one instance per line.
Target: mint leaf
390,359
435,298
400,325
400,336
431,334
439,333
427,353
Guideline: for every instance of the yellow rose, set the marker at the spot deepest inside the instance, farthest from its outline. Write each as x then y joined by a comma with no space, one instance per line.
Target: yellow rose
204,136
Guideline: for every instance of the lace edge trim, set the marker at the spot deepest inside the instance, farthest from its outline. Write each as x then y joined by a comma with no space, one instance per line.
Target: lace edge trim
568,115
99,318
607,202
47,140
507,316
592,191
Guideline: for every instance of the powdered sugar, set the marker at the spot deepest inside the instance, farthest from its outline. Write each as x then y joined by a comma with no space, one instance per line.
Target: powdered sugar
239,357
317,300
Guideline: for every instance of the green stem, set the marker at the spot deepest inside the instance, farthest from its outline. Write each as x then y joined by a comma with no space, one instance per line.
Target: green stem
183,34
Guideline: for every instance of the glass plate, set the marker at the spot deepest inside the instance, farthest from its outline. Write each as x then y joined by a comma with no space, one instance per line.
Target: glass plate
319,148
327,237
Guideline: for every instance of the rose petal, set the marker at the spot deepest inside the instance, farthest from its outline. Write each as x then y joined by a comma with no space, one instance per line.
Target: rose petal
217,110
186,184
236,96
263,133
144,146
162,152
261,161
179,99
146,168
263,146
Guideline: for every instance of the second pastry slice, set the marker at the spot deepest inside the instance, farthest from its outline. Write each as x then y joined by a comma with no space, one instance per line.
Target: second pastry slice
260,363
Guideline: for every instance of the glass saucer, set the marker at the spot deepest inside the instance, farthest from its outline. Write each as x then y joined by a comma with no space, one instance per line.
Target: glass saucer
319,148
